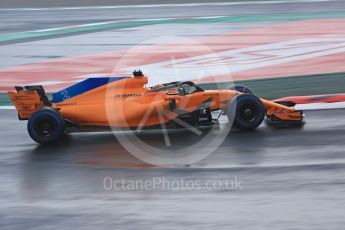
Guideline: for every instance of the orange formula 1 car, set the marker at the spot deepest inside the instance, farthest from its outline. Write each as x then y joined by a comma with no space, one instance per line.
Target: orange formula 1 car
126,102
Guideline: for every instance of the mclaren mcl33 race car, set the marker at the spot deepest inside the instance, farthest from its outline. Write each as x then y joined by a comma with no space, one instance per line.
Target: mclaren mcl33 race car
126,102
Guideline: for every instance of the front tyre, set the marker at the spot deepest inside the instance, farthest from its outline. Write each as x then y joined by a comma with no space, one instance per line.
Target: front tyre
246,111
46,126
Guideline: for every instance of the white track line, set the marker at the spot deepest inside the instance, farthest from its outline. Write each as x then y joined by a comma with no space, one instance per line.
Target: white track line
165,5
113,22
321,106
5,107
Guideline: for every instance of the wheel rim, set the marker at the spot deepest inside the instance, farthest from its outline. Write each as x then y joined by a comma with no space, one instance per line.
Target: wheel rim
44,127
249,112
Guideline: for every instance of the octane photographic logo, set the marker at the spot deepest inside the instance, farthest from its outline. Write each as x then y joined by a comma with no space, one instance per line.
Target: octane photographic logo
174,61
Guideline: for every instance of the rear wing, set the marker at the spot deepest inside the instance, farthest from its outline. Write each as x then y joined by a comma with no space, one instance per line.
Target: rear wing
28,99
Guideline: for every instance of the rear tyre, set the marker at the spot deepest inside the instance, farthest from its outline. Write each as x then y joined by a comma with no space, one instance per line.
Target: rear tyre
246,111
242,89
46,126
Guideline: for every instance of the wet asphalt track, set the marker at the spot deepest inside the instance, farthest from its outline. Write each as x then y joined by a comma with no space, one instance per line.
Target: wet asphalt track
290,179
19,20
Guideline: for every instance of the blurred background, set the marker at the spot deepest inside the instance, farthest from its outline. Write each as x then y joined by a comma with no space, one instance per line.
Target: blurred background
289,178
